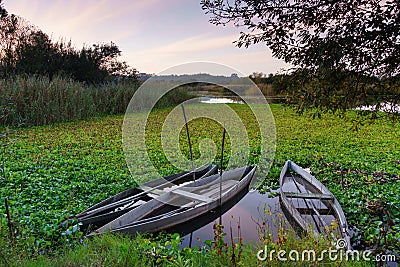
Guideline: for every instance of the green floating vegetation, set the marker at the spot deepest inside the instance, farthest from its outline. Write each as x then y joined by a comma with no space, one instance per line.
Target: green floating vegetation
54,171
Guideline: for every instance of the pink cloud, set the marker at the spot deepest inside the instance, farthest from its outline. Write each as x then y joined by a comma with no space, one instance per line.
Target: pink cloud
153,34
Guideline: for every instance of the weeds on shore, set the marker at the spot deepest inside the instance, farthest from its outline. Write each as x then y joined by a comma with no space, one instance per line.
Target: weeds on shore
164,250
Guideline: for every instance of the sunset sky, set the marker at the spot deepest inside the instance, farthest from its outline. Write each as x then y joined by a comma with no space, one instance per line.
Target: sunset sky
152,34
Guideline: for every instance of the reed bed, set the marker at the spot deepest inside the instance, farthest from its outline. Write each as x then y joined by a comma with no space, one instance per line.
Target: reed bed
34,101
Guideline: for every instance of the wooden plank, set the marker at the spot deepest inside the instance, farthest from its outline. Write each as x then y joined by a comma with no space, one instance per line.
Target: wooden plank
152,190
322,224
135,214
192,195
214,192
321,211
308,196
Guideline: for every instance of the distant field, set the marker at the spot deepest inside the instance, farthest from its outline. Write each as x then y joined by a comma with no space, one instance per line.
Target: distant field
58,170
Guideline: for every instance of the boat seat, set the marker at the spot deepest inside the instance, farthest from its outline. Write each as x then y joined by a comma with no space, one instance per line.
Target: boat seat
152,191
308,196
214,192
192,196
322,211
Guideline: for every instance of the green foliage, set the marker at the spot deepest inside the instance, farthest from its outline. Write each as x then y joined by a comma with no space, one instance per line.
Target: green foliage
359,36
28,50
40,101
31,101
55,172
59,170
164,250
369,160
337,91
343,52
174,97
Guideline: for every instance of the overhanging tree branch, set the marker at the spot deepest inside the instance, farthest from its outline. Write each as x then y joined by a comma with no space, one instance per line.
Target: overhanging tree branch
354,40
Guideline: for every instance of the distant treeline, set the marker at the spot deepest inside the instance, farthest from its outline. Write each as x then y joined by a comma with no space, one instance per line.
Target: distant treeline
269,85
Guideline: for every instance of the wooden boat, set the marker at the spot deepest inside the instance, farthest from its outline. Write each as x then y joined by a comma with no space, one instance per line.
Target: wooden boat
210,216
182,205
115,206
311,206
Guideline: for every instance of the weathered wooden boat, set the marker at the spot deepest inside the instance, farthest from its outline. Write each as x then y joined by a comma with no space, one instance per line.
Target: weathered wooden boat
115,206
182,205
311,206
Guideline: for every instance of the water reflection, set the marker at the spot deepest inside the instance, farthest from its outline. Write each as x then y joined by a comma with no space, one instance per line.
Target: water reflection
220,100
249,213
209,99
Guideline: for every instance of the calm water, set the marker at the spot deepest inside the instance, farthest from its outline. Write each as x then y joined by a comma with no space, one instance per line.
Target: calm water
249,212
220,100
234,99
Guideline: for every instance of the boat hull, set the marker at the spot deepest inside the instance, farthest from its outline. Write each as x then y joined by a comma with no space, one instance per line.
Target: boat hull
90,219
179,220
311,206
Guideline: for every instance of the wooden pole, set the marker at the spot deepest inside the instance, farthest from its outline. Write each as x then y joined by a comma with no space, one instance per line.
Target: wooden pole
220,179
342,178
190,144
190,240
9,222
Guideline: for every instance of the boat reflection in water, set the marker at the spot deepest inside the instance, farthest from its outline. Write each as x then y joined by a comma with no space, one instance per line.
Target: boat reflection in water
246,210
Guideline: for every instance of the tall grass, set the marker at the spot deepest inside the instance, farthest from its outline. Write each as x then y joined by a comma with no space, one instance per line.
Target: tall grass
38,101
164,250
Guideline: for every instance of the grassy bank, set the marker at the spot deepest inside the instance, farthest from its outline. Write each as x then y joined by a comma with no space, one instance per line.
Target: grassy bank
53,171
164,250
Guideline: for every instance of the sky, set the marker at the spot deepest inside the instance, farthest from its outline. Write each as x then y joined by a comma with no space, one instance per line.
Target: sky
153,35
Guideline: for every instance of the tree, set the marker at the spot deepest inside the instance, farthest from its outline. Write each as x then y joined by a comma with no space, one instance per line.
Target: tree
3,11
36,55
14,32
355,41
99,62
24,49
